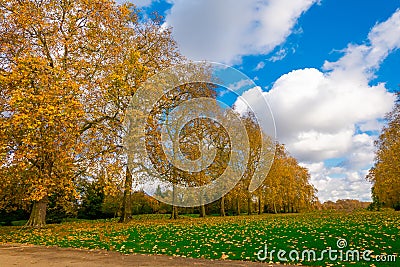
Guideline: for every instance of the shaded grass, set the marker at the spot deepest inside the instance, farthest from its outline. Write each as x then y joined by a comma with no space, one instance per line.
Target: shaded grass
229,237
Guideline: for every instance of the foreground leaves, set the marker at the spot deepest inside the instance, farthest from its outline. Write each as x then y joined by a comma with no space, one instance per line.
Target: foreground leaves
235,238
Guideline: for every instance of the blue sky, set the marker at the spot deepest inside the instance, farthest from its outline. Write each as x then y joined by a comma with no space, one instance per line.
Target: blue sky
328,69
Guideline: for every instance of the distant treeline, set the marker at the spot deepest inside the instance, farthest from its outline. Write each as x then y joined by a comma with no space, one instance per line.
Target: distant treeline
343,204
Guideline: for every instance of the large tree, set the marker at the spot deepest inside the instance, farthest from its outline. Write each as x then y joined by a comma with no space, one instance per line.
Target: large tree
385,175
39,133
67,71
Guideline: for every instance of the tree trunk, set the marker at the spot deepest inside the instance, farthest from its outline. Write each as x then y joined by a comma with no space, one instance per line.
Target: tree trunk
174,213
260,211
202,211
274,208
249,204
202,207
126,202
238,206
222,206
37,218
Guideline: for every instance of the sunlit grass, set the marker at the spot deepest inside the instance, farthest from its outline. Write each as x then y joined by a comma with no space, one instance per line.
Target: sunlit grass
230,237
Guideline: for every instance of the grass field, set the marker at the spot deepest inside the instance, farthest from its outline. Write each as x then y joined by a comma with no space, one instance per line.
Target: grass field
235,237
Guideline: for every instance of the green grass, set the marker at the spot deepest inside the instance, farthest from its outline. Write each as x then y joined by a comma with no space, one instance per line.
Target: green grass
238,238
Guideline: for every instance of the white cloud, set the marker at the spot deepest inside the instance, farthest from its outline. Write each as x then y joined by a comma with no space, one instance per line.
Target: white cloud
371,125
382,40
317,113
260,65
362,152
338,182
224,31
346,181
351,186
137,3
281,54
249,97
240,85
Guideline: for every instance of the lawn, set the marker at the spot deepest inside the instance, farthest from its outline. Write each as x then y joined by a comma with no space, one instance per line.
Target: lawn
371,234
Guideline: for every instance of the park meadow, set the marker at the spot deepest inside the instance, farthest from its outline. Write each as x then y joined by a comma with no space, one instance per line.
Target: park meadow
231,237
88,123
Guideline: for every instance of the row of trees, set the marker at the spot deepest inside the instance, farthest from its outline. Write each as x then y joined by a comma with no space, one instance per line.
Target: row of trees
286,188
344,204
68,70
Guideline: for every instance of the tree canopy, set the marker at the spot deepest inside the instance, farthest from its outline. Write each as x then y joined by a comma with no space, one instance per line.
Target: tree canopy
67,70
385,174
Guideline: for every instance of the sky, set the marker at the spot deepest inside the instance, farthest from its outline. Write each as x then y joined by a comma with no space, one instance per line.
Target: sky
328,68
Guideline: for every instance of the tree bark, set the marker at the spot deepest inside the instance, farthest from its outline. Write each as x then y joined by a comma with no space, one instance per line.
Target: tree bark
202,211
126,202
238,206
222,206
174,213
249,204
37,217
260,208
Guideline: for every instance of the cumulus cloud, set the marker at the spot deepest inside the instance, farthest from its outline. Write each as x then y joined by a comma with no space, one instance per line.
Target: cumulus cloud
349,185
371,126
347,179
319,114
224,31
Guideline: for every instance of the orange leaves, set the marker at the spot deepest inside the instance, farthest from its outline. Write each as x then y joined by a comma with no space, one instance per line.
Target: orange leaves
41,126
386,173
287,184
67,72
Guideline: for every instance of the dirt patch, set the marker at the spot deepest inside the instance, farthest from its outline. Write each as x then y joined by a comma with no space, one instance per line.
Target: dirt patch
29,255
